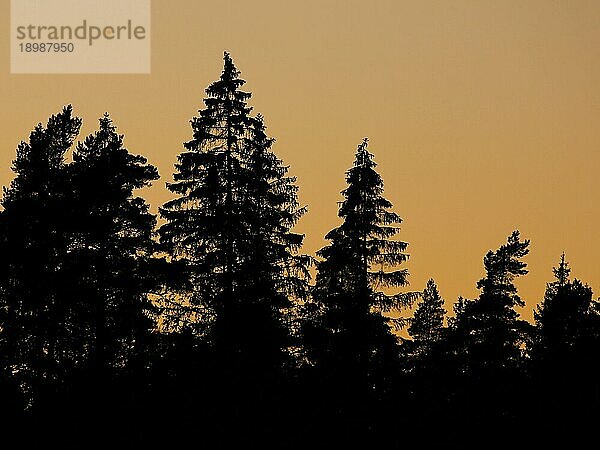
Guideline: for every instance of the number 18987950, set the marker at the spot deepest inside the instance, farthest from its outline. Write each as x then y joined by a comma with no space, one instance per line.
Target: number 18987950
47,47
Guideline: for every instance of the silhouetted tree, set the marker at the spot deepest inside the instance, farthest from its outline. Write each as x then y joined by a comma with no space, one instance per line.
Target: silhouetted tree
110,249
272,272
230,224
427,380
33,240
428,320
74,289
486,339
109,274
565,355
351,340
490,324
561,317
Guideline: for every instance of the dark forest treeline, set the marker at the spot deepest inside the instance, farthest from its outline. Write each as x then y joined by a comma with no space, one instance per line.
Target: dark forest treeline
208,330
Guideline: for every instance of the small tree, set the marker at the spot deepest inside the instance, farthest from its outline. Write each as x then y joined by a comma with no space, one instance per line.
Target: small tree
426,371
428,320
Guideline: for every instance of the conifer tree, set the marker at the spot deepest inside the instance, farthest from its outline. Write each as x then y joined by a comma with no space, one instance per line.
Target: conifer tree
486,340
489,325
565,305
110,250
352,338
272,275
428,320
565,354
425,372
231,224
567,321
33,233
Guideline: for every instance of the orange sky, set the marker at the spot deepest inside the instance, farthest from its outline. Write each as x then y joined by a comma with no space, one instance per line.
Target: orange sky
484,116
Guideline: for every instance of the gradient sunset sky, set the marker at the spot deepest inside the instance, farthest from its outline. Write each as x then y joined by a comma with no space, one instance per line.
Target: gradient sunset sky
484,116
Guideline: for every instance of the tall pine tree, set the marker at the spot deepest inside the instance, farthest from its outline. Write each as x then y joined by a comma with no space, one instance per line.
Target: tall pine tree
231,224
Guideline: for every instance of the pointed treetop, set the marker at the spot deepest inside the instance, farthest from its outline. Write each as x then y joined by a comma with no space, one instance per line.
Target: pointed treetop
432,287
226,92
562,272
363,158
230,72
96,144
106,122
108,130
428,318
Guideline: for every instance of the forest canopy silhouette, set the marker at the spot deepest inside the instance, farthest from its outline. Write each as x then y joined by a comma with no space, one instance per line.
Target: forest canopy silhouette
208,326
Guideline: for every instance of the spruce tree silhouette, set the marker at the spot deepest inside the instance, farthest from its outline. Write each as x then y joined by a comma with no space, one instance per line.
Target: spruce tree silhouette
272,272
351,341
230,223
